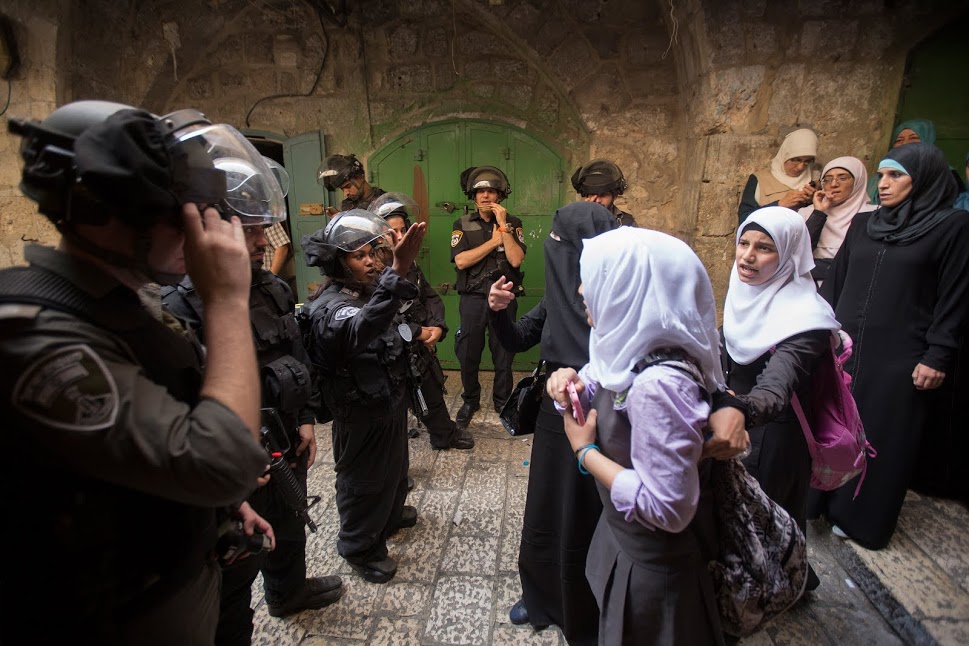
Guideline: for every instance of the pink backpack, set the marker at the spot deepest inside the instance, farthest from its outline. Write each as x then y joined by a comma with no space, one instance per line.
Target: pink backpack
839,449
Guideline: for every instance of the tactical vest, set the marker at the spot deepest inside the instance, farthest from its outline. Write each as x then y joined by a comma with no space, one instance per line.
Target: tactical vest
286,382
122,550
371,381
477,279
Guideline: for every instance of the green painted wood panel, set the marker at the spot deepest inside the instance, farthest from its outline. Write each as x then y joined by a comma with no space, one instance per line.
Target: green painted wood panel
303,154
427,162
937,89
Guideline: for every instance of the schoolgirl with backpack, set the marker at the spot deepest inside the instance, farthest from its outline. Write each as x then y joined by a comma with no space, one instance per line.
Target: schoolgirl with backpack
776,329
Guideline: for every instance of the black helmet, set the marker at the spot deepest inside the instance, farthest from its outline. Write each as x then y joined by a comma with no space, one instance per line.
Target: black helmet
337,170
597,177
485,177
92,159
346,232
396,204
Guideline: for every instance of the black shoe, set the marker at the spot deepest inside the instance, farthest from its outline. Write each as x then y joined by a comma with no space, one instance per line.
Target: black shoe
462,440
812,580
464,415
408,517
318,592
376,571
499,407
414,432
518,613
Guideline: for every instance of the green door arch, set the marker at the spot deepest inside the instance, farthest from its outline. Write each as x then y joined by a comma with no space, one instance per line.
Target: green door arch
426,162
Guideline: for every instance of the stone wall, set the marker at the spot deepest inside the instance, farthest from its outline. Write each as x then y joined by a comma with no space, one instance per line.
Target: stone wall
688,97
35,90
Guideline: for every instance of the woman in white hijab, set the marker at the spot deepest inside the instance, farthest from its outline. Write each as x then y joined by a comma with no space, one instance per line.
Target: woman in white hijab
789,181
649,300
775,327
843,195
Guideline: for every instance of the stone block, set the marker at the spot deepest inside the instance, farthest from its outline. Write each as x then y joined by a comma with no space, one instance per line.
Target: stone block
409,78
639,119
483,90
233,81
827,99
731,159
717,210
717,255
444,77
762,42
258,48
286,51
437,42
752,8
201,88
605,42
510,69
604,94
734,92
585,11
481,44
875,38
728,46
517,95
460,610
422,8
828,39
402,41
546,107
524,18
654,81
551,34
646,48
786,94
287,83
572,63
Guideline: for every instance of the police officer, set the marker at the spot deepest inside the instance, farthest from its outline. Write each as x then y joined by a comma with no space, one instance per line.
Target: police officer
602,181
426,316
121,447
345,172
485,244
358,338
287,388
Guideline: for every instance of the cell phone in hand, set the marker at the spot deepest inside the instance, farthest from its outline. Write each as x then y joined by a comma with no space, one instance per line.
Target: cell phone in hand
576,406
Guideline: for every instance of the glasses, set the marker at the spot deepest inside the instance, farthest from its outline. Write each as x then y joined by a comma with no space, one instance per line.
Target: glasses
841,179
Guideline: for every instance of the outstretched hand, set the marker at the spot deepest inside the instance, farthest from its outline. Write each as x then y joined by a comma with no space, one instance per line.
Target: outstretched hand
501,295
407,246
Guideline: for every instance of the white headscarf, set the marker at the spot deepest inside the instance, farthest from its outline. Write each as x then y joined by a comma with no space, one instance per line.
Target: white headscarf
646,291
758,317
800,143
839,217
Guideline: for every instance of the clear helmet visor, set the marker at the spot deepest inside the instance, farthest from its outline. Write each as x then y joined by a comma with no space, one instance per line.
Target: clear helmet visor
401,204
352,229
282,176
252,190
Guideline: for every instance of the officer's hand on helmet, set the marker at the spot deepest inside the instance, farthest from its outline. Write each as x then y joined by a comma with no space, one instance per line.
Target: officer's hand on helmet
216,256
500,294
407,246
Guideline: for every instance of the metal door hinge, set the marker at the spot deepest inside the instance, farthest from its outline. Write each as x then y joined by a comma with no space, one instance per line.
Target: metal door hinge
419,155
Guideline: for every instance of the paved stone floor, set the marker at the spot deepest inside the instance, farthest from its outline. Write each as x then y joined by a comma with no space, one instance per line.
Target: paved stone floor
457,569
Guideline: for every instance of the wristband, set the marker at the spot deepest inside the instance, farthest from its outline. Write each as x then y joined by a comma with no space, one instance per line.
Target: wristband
579,450
585,450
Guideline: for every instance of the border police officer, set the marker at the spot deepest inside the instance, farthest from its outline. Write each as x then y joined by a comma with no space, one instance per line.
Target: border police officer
485,244
602,181
345,172
124,447
426,315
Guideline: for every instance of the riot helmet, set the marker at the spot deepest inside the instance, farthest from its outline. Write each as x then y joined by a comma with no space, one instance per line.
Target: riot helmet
478,177
598,177
345,233
396,204
281,174
337,170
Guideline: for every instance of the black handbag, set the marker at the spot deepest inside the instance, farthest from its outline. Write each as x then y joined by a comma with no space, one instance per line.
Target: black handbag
520,412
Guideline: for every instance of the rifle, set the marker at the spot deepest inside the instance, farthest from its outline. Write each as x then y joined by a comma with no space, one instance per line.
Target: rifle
278,446
415,378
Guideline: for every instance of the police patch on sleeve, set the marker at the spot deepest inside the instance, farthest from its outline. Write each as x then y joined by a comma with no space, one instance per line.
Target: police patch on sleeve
346,312
456,238
68,388
521,235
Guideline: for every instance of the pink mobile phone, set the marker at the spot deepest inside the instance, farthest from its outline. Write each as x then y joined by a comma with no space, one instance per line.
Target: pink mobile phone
576,406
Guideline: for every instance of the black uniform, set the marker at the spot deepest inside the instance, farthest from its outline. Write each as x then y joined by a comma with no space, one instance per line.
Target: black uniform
622,217
357,343
473,283
279,351
364,201
118,465
427,310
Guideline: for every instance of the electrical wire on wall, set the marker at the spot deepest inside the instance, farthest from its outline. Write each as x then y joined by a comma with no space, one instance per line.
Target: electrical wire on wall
7,104
366,83
322,10
674,32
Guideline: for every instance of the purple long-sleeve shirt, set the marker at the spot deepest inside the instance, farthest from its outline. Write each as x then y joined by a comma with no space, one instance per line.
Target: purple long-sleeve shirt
667,414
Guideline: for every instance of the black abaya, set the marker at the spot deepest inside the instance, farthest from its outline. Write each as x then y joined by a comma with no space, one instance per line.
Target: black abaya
902,304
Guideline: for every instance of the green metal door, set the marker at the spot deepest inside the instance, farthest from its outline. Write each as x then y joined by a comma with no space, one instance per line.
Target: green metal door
427,163
934,92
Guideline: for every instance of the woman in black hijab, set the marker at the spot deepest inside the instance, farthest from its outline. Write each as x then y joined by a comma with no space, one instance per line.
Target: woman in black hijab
899,287
562,506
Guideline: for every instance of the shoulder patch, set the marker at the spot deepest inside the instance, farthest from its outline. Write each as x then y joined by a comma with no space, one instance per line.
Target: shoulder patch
68,388
345,312
521,235
456,238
